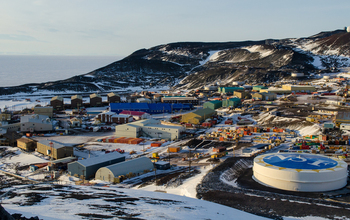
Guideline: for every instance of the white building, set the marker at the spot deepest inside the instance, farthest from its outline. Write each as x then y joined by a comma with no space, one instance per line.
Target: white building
32,123
149,128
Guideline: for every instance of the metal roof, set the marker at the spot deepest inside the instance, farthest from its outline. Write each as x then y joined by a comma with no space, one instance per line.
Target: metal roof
95,96
76,97
36,119
133,166
101,159
203,111
59,98
56,144
112,94
343,116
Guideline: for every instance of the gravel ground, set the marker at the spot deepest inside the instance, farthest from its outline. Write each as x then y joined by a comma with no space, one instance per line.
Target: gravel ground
252,197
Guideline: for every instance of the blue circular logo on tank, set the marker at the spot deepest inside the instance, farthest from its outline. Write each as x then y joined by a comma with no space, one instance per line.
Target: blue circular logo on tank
300,161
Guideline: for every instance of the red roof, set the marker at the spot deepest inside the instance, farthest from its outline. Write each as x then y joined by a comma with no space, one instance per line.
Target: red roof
133,113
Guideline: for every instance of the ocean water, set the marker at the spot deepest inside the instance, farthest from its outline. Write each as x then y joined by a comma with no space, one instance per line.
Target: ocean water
18,70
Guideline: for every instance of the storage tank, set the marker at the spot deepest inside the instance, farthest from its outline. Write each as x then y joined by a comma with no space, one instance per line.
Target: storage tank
210,88
348,29
297,74
237,83
300,172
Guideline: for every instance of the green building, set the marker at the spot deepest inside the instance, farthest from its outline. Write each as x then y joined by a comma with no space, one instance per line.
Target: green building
234,102
213,104
258,88
229,89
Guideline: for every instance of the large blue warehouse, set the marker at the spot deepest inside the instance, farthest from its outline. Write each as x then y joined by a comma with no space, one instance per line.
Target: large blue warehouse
151,108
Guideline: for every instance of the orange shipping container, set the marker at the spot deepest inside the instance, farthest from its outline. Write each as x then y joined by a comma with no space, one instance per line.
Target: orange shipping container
136,141
221,138
174,149
156,144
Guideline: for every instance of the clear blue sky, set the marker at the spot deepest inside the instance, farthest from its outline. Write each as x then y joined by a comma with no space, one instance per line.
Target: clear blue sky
119,27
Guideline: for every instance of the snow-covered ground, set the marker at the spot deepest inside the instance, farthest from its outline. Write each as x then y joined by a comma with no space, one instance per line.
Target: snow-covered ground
113,202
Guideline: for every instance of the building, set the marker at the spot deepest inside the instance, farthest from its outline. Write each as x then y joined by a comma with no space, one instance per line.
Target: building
136,115
95,100
136,166
232,102
229,89
180,100
162,165
264,96
342,117
14,127
35,123
5,116
299,88
48,111
149,128
26,144
150,108
75,122
197,116
255,148
258,88
88,167
57,103
276,91
113,97
54,149
112,117
300,172
76,101
242,94
213,104
143,100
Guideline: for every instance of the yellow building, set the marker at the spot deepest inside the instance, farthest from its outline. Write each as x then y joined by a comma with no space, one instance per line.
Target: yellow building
198,116
26,144
54,149
299,88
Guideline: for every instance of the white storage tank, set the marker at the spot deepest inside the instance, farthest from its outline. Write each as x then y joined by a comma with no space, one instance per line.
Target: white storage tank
210,88
300,172
237,83
297,74
348,29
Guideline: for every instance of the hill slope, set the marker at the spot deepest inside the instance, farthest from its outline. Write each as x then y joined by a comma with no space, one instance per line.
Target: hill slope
193,64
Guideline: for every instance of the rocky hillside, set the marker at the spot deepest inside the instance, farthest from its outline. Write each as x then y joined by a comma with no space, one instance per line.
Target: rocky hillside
194,64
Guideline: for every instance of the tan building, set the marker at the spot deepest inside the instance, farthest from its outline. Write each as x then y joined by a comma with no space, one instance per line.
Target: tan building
5,117
264,96
198,116
76,101
57,103
242,94
95,100
54,149
48,111
299,88
26,144
113,97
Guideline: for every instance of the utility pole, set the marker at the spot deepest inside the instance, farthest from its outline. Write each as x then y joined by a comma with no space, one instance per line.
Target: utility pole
189,162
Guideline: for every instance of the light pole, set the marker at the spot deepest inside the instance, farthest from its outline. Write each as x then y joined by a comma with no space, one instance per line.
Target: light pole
51,147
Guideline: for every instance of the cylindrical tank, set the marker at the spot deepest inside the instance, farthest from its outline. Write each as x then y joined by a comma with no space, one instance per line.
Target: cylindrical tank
348,29
300,172
297,74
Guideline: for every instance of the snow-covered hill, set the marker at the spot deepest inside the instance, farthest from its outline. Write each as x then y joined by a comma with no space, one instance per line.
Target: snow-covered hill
53,202
194,64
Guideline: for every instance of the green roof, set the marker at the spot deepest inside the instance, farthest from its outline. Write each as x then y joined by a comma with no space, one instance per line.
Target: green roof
204,111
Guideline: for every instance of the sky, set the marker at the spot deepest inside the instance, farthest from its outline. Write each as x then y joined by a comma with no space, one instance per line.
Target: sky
120,27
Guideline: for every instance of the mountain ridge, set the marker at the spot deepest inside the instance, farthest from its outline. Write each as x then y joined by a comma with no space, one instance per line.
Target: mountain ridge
189,65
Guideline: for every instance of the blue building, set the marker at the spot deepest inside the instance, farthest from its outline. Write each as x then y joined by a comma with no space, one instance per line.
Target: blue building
150,108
